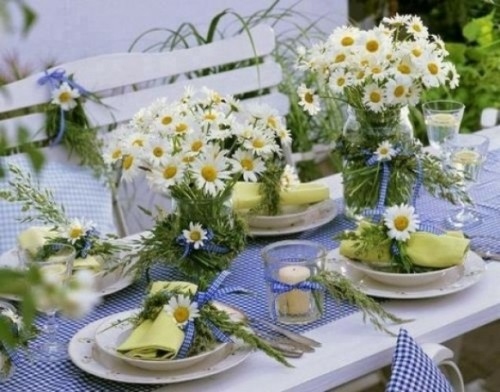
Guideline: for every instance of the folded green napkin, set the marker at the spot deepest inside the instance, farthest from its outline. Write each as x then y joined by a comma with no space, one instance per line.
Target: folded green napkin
424,249
159,339
246,194
34,238
154,340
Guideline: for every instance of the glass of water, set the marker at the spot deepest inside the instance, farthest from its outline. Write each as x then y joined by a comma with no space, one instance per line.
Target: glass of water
442,119
467,154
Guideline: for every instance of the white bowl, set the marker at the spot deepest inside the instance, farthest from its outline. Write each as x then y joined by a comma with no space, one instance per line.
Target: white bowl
110,334
291,216
400,279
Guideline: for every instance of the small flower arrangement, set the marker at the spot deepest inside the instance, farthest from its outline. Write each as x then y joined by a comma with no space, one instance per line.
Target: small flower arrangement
379,70
81,233
399,242
195,149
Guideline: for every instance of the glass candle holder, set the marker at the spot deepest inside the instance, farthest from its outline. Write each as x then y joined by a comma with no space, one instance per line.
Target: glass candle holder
288,269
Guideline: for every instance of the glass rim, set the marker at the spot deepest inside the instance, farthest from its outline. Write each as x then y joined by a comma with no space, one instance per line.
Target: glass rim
275,245
458,105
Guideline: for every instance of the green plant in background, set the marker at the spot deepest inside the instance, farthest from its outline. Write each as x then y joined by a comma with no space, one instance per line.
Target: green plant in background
296,30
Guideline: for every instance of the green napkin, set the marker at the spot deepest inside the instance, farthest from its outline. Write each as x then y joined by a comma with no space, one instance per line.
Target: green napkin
246,194
154,340
424,249
159,339
92,263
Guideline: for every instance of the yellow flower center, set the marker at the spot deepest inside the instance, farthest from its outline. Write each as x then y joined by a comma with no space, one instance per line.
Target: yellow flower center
364,63
258,143
195,236
64,97
433,68
404,68
401,223
166,120
376,70
158,152
196,145
308,97
181,314
210,116
417,52
360,75
181,128
347,41
247,164
169,172
188,158
399,91
116,154
339,58
372,46
416,27
138,143
209,173
75,232
384,151
128,160
375,97
271,122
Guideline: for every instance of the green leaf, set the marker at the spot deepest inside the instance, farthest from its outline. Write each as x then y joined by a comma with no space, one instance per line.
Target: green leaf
480,30
29,18
457,52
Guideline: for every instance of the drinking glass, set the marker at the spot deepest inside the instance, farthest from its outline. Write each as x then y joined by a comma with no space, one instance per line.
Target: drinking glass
467,154
442,119
55,263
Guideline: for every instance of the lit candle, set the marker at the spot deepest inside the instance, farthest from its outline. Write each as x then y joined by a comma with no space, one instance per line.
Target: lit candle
295,301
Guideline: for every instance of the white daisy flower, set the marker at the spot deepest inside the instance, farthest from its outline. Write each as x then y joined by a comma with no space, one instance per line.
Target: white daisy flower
65,96
182,309
373,97
396,20
79,302
167,174
385,151
309,100
285,136
210,173
76,229
251,166
397,90
135,141
433,70
339,80
260,143
195,235
157,150
416,27
401,221
130,166
164,121
345,36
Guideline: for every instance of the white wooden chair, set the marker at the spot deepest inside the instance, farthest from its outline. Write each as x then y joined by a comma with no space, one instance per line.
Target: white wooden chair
127,82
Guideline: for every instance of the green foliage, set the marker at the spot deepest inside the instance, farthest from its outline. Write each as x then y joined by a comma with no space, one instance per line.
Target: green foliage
28,14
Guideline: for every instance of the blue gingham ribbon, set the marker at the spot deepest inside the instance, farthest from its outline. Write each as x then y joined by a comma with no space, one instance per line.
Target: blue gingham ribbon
87,242
207,245
213,292
55,79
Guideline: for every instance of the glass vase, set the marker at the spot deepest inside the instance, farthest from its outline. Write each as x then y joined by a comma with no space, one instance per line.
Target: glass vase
362,173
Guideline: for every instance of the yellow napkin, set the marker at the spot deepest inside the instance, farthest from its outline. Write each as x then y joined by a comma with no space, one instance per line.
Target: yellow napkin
34,238
424,249
246,194
93,263
159,339
154,340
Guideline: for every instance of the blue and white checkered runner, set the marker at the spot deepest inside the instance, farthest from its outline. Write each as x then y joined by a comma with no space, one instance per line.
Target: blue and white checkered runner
412,370
247,271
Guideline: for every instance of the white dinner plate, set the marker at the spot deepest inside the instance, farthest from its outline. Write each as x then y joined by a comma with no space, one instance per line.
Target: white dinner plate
456,280
111,283
115,329
86,355
318,216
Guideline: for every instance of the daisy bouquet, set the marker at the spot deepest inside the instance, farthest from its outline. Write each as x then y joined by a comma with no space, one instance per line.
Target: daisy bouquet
379,74
401,242
195,150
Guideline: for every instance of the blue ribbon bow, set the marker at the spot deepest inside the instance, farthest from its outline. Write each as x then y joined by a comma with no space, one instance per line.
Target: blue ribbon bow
201,298
207,245
278,287
55,79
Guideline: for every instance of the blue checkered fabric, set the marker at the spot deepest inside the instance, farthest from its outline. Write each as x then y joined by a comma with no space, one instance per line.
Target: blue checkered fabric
74,186
413,371
246,271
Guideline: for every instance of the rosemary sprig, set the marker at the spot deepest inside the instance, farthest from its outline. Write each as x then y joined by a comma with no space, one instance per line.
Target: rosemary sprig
269,189
342,289
25,191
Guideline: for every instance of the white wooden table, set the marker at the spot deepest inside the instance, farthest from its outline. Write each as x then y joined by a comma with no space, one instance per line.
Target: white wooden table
351,348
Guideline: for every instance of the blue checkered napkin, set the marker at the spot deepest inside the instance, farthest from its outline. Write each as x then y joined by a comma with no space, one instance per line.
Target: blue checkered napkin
74,186
413,371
